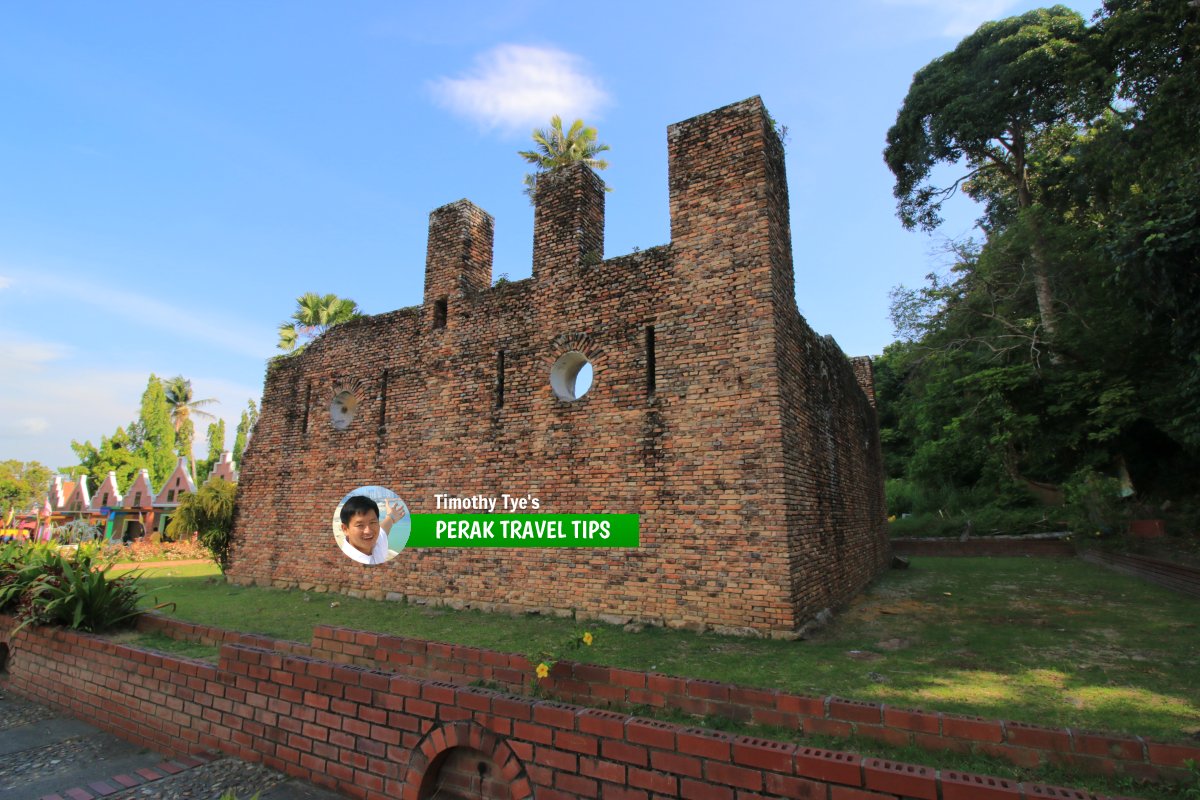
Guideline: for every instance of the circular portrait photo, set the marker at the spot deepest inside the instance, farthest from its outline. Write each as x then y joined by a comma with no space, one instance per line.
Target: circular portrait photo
371,525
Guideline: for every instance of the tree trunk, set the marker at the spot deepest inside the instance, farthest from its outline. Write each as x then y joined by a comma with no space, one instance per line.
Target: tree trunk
1037,260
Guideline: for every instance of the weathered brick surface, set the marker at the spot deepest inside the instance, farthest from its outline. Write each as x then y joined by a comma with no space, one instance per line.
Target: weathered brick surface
752,457
362,730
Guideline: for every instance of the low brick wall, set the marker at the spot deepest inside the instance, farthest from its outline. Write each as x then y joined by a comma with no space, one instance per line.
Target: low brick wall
1176,577
984,546
389,731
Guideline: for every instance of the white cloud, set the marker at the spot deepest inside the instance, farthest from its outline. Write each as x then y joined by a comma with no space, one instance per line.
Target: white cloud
5,282
41,414
152,312
515,87
960,17
22,356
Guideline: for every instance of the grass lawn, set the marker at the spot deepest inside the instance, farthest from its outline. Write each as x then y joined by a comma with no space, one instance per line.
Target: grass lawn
1049,641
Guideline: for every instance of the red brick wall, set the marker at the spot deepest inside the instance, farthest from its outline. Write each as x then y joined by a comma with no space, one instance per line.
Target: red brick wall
754,464
990,546
371,734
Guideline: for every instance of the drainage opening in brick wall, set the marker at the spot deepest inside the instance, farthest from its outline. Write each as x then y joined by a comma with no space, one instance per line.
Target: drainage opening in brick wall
571,376
342,410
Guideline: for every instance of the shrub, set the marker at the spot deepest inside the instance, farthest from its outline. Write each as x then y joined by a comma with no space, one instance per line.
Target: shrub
41,585
208,512
1094,505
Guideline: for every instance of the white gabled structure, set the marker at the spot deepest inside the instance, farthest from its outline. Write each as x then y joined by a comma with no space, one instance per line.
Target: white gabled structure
225,469
177,484
107,495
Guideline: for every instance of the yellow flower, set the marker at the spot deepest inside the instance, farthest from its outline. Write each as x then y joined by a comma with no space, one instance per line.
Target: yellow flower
543,670
587,638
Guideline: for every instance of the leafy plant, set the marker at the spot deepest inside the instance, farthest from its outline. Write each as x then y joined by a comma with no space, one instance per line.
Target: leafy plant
556,148
42,585
546,659
1093,503
208,512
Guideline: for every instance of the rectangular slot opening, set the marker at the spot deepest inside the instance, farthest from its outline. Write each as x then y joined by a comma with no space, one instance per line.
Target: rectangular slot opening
650,361
500,379
307,400
383,389
439,313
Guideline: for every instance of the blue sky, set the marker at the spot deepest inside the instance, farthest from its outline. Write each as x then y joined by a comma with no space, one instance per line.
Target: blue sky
173,175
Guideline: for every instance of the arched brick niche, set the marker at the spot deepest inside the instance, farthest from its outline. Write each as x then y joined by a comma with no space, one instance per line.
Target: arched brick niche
464,760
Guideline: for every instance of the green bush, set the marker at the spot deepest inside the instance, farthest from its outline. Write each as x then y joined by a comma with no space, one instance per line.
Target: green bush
1094,505
208,512
985,521
42,585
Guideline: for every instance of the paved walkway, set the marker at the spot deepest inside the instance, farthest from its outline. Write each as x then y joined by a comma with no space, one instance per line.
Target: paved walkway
47,756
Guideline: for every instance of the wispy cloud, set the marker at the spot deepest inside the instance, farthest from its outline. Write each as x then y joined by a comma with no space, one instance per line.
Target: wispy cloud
157,314
23,356
5,282
960,17
49,401
514,87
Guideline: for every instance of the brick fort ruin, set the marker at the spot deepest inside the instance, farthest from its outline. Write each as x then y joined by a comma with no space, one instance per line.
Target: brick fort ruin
747,443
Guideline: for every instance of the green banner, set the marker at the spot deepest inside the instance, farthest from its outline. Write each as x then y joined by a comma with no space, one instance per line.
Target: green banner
523,530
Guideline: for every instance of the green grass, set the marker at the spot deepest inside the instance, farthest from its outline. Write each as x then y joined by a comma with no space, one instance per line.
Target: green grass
1048,641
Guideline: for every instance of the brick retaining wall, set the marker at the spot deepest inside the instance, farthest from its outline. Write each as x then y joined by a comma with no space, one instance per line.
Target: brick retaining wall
594,685
1176,577
989,546
372,734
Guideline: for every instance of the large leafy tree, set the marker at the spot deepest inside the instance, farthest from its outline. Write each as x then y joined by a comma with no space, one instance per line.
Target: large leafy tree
555,148
315,314
185,405
245,429
22,483
992,105
1090,245
154,432
216,446
117,453
1141,172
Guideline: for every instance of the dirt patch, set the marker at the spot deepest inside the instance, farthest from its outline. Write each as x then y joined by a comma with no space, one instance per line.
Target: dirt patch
892,645
872,609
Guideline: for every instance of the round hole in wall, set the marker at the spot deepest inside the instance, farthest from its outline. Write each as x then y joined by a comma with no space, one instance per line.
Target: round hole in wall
571,376
342,409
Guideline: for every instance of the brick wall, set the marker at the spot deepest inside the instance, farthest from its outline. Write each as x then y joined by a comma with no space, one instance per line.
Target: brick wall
749,450
987,546
372,734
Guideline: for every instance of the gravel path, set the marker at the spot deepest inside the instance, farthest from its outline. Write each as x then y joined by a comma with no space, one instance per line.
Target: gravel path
46,755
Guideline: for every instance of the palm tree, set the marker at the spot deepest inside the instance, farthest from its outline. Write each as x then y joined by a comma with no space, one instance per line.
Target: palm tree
556,149
184,406
209,513
315,314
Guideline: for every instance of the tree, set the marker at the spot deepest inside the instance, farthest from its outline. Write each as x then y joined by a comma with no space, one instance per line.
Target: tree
184,406
994,103
216,446
244,430
556,149
116,453
22,483
1142,176
209,513
315,314
154,435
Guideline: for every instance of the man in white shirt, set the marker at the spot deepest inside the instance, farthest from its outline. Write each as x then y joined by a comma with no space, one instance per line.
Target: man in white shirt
366,538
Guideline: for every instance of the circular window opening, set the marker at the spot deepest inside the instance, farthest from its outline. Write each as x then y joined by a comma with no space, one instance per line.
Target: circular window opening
342,409
571,376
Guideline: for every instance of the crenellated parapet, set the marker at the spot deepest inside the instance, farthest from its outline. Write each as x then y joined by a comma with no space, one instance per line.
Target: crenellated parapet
742,439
